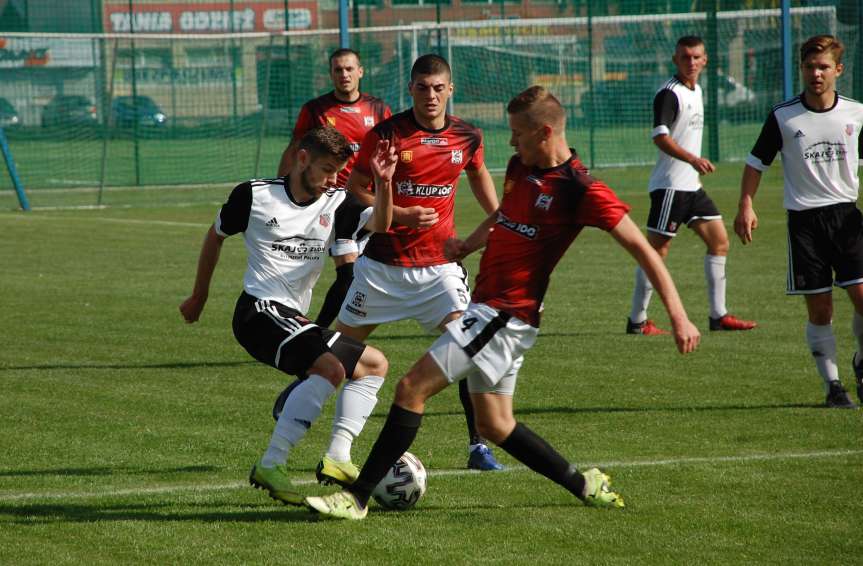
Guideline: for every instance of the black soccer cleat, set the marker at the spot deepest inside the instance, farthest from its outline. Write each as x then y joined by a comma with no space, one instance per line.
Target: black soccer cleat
283,396
837,397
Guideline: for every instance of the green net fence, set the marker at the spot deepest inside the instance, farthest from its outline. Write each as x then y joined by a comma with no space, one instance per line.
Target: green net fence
104,116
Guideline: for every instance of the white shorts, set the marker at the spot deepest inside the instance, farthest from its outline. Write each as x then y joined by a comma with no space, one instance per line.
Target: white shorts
382,293
486,346
346,246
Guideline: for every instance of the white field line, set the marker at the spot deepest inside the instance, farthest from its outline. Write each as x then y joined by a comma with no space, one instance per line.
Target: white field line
124,221
200,488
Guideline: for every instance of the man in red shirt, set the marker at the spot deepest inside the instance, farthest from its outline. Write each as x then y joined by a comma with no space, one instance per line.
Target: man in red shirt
404,274
548,199
352,113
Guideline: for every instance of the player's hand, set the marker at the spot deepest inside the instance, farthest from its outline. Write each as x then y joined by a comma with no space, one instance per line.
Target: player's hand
455,249
418,217
702,165
383,162
745,223
686,336
192,308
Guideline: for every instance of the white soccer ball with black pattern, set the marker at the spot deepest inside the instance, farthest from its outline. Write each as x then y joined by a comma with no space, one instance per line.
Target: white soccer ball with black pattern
403,485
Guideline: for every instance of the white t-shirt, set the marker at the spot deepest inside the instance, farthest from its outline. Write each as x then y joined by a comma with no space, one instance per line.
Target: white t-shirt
821,151
678,111
287,241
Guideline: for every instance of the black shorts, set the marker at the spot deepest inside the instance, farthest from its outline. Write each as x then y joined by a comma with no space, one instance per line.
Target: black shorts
283,338
823,241
669,209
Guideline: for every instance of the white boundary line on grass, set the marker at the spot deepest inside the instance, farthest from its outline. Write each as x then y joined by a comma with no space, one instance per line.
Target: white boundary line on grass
192,488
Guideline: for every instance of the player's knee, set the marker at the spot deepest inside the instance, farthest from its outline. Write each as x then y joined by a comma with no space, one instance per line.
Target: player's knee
372,362
329,367
719,246
496,429
411,391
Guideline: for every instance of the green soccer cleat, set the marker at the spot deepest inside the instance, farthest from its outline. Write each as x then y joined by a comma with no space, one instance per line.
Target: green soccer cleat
596,492
339,505
342,473
276,482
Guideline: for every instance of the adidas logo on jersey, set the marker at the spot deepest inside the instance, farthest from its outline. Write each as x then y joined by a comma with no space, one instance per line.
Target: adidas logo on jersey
799,134
272,223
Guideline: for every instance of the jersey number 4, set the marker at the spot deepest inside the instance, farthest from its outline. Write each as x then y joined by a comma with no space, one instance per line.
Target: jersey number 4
466,323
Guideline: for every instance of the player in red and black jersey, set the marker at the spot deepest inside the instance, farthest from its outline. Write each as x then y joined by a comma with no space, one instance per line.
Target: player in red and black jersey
404,274
548,199
353,114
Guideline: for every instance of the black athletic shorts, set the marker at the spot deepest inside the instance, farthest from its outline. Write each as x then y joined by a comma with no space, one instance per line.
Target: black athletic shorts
283,338
670,209
822,241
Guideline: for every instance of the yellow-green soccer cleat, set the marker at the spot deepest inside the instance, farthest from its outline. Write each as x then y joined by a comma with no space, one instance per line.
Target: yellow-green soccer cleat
596,492
342,473
276,482
339,505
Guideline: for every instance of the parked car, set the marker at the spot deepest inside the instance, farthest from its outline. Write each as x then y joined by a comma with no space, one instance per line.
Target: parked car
69,110
127,110
8,115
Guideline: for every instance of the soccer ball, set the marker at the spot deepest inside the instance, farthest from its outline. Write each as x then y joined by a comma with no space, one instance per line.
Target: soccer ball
403,485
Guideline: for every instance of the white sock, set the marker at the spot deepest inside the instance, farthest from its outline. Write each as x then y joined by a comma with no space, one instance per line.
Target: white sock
302,408
714,273
857,329
353,407
822,344
640,297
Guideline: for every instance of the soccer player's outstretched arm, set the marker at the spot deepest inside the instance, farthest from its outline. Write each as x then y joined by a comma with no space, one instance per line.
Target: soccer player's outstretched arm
630,237
192,307
383,166
746,220
456,250
482,186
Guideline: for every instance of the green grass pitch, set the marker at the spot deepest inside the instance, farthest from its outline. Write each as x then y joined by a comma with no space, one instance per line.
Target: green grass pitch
127,435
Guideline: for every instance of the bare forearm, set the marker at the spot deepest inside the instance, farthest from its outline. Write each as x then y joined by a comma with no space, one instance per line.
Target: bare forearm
207,261
383,203
479,237
667,145
749,186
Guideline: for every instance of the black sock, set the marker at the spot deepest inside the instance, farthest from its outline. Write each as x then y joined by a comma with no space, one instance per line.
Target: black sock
336,295
395,438
534,452
464,396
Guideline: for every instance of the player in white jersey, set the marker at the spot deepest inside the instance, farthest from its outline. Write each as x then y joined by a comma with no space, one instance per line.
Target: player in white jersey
820,136
676,195
288,225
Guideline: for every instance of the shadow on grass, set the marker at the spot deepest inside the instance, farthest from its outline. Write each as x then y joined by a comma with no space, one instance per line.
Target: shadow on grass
107,471
686,409
175,365
40,514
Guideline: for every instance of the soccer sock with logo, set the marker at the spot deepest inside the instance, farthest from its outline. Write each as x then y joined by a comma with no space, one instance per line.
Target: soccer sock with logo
353,407
822,344
534,452
395,438
640,297
464,396
857,329
336,295
714,273
302,408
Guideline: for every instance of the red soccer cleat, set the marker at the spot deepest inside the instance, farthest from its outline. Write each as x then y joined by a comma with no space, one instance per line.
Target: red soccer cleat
731,322
646,328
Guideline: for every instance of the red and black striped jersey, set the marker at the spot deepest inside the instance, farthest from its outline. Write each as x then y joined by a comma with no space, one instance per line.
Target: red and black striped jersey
427,174
352,119
542,212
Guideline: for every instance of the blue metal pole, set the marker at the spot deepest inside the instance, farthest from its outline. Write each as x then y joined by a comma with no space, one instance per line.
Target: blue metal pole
787,66
344,38
10,165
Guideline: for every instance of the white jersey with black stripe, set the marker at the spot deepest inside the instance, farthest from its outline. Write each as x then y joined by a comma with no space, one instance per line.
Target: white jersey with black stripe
286,241
820,149
678,112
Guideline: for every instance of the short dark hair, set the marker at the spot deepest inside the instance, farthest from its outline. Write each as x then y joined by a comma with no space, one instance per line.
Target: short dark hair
818,44
342,52
322,141
430,64
689,41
